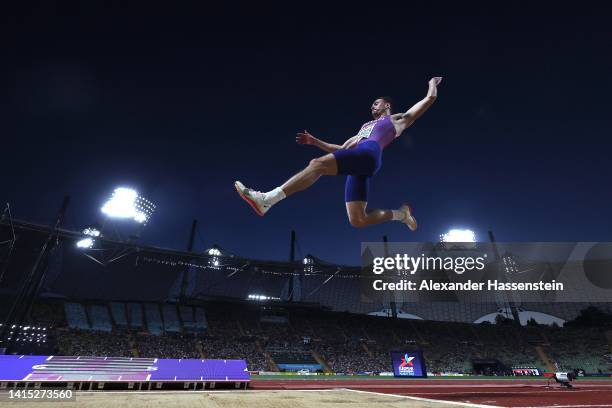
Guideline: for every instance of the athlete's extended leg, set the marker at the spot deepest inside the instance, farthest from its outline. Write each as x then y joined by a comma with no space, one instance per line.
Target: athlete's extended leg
324,165
359,216
261,202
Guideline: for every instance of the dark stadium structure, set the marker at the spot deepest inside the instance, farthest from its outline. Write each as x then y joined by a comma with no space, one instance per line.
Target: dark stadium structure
123,299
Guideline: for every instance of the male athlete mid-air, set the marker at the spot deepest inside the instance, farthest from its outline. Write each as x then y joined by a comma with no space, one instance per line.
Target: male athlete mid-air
359,158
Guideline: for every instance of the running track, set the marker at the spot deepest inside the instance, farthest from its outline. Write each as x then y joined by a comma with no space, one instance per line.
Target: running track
504,393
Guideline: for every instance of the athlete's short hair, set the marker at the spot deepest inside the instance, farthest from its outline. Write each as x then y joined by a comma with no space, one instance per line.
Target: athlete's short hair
388,100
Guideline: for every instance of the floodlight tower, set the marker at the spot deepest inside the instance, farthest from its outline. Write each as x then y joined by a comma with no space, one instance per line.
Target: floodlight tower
125,214
455,243
509,266
393,301
32,281
127,211
126,203
465,236
89,239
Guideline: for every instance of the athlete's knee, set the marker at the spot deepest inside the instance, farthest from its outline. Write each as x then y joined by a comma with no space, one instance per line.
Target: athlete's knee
319,165
358,221
315,163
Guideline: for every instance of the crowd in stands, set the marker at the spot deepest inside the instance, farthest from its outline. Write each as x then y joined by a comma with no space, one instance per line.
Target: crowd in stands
170,345
589,353
75,342
217,347
346,343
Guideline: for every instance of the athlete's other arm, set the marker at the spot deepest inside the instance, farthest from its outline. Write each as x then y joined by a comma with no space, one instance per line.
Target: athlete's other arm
307,138
418,109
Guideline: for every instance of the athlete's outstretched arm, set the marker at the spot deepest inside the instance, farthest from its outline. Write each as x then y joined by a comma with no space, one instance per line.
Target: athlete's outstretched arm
307,138
421,106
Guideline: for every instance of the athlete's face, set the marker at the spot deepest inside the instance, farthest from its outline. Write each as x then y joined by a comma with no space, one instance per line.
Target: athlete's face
379,107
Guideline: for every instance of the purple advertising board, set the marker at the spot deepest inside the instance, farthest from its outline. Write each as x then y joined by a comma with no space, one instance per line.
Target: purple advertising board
106,369
408,364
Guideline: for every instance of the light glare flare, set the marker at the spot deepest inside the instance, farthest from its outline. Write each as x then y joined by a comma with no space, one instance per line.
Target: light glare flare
457,235
85,243
126,203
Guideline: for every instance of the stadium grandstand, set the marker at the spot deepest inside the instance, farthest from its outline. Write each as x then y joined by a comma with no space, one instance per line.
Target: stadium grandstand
278,316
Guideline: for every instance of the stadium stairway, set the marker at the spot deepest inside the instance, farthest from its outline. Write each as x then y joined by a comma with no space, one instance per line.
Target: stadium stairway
345,337
133,347
200,350
547,363
609,338
267,356
319,359
87,316
545,338
365,333
367,350
414,329
240,328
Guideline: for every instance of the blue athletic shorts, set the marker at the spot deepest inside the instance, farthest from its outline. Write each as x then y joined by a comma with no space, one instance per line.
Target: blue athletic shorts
359,164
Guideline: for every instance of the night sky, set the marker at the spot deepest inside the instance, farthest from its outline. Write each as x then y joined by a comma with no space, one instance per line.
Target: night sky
179,103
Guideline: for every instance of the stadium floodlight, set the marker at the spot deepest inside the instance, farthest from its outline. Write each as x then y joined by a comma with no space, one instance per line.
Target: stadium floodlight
307,261
89,241
457,235
262,297
214,254
85,243
92,232
126,203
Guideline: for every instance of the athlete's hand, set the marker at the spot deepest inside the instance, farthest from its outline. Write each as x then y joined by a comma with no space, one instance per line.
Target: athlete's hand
435,81
304,138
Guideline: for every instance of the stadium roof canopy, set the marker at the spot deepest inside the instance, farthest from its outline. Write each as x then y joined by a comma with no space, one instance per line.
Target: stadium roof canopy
524,316
400,315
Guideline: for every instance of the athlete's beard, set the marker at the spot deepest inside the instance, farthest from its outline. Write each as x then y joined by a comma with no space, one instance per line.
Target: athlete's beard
377,114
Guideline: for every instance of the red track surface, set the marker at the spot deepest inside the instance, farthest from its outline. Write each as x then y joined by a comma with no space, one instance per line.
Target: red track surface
505,393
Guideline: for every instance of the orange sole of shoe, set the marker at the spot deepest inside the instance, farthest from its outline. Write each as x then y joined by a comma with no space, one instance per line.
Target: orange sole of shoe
249,201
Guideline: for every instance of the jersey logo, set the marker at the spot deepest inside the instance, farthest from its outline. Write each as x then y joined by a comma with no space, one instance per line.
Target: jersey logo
366,130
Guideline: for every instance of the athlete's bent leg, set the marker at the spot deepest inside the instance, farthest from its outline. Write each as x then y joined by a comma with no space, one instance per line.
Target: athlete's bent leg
321,166
359,216
356,190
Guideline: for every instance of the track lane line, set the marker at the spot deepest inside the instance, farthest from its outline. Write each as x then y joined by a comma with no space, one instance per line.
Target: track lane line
463,404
